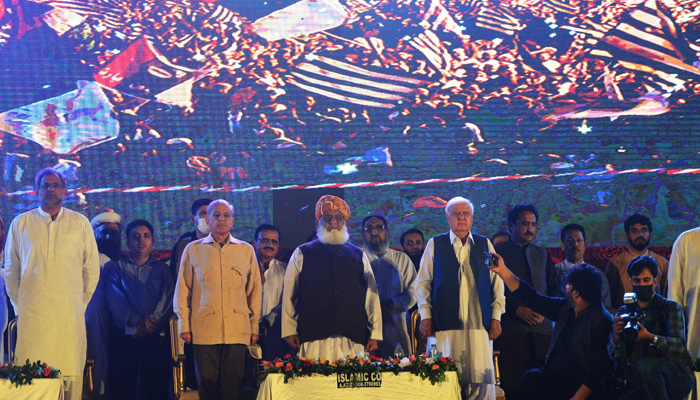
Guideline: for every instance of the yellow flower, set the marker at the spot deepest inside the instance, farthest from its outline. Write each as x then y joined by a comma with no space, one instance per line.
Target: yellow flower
323,360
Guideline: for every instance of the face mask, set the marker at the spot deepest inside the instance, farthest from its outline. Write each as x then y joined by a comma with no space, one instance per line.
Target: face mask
570,299
644,293
202,226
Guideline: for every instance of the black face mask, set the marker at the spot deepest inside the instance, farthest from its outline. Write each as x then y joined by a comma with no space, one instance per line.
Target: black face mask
644,293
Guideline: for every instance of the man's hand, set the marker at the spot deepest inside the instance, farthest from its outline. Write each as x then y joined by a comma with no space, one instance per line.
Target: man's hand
498,266
293,340
529,316
186,336
644,334
618,326
371,346
494,329
426,327
144,328
253,339
151,325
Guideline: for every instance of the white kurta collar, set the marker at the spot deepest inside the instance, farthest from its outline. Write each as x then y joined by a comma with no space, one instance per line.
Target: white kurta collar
470,239
46,216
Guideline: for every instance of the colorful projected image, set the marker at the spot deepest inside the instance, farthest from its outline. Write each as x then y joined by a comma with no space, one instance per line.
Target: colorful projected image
185,96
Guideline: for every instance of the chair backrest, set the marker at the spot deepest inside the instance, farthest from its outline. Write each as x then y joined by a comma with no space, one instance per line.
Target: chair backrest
177,350
11,339
415,317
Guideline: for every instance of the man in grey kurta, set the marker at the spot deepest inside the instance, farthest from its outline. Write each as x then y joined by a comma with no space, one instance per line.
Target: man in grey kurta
394,274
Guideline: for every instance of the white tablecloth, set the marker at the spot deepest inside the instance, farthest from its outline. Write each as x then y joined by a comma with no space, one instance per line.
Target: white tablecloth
40,389
402,386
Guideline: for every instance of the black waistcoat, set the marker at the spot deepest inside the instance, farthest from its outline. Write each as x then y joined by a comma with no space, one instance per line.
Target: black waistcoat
331,294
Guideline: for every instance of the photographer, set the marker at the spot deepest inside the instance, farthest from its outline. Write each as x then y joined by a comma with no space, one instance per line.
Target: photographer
648,343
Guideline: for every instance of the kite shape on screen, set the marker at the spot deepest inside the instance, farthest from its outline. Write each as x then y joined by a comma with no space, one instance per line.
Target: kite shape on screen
67,123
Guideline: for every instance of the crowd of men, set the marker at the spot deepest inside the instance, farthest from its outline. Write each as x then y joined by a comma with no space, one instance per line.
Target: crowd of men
78,295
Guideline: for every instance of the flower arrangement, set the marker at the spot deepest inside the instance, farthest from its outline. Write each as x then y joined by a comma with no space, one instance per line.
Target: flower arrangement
431,368
24,374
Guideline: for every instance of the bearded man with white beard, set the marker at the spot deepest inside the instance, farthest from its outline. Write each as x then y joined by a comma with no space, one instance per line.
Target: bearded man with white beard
330,304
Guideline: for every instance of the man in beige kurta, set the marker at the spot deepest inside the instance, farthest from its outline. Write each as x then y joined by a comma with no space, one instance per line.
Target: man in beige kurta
218,298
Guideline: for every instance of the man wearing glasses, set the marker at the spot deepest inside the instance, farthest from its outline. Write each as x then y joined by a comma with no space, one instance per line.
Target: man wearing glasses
330,306
394,273
526,334
52,268
267,244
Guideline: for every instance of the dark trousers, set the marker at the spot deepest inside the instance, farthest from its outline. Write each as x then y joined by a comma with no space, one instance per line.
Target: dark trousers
538,384
272,344
221,369
659,379
139,368
519,354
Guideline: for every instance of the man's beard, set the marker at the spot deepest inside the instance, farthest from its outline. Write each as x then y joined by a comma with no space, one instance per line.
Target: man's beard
637,246
332,237
416,260
378,249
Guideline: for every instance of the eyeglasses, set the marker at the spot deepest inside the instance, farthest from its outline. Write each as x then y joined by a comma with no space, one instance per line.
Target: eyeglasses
378,228
55,186
273,242
329,218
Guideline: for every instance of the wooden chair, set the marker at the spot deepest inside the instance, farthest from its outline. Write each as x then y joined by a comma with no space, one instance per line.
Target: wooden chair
177,346
500,394
12,342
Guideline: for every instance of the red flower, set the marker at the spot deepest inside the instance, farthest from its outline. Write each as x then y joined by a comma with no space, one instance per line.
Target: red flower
288,367
435,366
443,359
307,363
47,371
375,359
287,355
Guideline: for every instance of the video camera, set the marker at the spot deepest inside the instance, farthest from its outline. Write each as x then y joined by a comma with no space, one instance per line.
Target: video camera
631,330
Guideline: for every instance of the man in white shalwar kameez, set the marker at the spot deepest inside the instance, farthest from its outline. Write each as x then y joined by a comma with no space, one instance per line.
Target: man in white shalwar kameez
52,269
683,282
330,306
394,273
447,273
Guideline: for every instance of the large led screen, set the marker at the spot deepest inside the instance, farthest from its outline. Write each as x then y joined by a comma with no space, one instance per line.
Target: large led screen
588,109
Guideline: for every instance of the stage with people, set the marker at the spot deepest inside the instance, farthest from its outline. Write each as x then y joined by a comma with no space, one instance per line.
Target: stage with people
339,199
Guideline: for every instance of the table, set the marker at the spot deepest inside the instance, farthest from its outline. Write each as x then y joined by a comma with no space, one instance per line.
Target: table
40,389
402,386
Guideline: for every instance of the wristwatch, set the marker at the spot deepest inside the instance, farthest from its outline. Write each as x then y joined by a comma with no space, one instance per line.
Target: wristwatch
655,341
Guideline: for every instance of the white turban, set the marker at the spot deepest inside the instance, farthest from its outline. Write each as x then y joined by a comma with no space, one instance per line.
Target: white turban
105,218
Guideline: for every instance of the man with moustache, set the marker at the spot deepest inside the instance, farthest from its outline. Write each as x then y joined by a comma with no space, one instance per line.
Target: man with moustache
140,295
394,274
218,298
330,305
573,242
577,365
52,268
526,333
638,230
460,300
107,228
413,244
267,244
201,230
